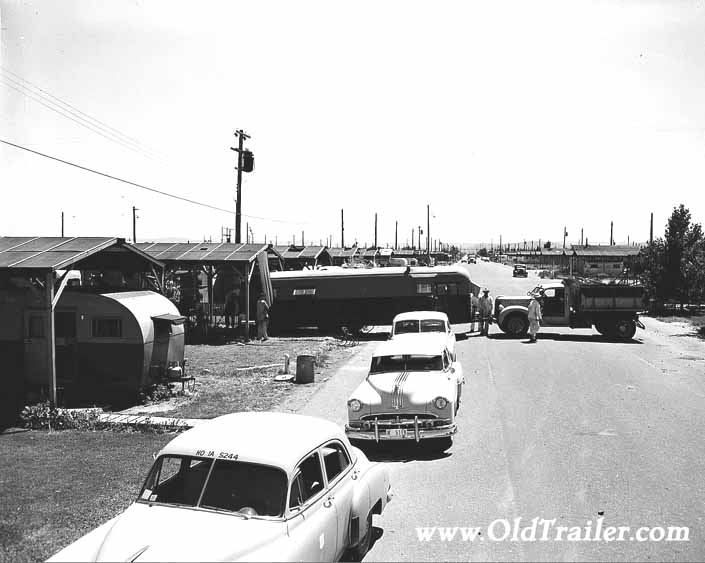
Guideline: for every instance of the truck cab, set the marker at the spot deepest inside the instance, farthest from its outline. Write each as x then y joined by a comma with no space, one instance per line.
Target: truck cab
611,308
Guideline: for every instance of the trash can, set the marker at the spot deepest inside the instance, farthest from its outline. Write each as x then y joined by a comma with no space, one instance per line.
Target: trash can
304,368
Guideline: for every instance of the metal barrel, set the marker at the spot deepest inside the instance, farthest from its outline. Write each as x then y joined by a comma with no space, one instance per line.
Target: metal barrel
305,368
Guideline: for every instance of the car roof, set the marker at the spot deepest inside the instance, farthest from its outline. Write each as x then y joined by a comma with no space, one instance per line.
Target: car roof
520,265
425,315
268,438
418,343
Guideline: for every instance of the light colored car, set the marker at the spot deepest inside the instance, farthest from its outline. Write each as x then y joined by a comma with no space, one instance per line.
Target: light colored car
247,486
412,392
424,322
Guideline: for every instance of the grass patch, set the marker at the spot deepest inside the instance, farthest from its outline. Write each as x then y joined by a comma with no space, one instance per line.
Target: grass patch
57,486
223,386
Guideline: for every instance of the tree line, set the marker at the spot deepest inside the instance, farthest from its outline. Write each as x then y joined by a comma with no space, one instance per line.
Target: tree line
672,268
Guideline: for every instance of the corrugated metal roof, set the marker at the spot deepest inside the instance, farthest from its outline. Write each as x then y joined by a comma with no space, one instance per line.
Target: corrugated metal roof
205,252
55,253
613,250
343,252
312,252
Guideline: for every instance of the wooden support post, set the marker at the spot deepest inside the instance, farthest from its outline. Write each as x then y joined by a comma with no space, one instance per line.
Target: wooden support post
50,335
247,305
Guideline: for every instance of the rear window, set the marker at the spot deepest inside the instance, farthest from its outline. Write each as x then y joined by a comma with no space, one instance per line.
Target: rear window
433,325
406,327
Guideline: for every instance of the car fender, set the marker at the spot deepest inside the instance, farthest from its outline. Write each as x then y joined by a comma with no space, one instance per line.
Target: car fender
85,548
511,309
372,492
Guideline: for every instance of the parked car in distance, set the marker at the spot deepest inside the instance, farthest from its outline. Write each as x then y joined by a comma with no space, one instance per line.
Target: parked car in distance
424,322
412,392
247,486
520,271
472,260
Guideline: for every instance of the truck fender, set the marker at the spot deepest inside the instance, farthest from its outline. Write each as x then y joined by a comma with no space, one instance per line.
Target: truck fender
506,311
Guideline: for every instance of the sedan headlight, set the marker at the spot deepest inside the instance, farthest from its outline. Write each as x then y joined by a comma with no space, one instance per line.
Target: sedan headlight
354,405
440,402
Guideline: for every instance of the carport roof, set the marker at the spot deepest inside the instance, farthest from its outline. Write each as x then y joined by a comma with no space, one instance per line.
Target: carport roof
343,252
65,253
606,250
204,252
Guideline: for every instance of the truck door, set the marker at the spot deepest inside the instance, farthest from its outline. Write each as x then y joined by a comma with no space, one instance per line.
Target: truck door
553,307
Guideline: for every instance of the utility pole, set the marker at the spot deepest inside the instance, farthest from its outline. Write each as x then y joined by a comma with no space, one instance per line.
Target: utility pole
581,236
247,233
396,233
375,230
342,229
413,240
651,230
428,230
565,234
62,224
302,239
500,244
134,225
611,233
241,136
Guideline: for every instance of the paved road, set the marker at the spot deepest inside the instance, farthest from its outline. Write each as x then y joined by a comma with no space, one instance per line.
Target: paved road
574,428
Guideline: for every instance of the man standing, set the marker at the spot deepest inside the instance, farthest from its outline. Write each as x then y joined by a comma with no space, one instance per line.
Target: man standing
485,310
262,317
535,318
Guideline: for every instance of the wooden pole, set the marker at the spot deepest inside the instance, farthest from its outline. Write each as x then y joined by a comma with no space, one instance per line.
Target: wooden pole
50,335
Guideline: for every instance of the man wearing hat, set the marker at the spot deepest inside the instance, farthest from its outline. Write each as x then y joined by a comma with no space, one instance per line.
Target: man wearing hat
485,310
535,317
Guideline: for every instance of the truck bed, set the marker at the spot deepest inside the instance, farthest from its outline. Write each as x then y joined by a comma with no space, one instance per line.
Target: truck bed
603,297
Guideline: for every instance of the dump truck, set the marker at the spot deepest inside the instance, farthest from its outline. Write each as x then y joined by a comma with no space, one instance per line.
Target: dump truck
613,309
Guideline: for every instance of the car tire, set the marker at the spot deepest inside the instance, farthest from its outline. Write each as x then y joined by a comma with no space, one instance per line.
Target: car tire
515,325
625,329
605,329
357,552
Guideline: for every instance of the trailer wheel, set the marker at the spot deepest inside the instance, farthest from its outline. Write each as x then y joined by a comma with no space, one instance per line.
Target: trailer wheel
625,329
515,325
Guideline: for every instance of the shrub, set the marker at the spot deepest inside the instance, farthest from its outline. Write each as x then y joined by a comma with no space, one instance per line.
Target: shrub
47,416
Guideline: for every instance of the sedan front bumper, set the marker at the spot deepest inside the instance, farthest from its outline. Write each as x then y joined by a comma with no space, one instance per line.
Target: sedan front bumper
378,431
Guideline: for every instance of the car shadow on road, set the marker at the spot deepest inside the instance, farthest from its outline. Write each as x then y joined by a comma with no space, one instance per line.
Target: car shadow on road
403,452
566,338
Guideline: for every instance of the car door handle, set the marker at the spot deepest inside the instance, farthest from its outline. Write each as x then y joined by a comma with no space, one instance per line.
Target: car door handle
329,501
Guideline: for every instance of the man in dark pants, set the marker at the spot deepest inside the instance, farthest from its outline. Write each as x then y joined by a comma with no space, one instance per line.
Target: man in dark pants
485,310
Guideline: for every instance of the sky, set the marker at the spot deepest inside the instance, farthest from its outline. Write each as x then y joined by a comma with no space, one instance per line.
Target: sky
510,120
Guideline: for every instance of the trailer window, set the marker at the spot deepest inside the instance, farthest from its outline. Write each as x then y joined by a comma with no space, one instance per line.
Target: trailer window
305,291
424,288
106,328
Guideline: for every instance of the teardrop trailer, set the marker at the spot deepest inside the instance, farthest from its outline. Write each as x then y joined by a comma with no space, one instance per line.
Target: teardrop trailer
613,309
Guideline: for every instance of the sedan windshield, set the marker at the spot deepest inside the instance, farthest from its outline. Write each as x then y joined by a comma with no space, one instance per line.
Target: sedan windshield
221,484
406,327
406,362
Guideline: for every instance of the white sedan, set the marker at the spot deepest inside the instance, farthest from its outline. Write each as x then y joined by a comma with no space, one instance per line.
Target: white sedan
426,322
247,486
412,392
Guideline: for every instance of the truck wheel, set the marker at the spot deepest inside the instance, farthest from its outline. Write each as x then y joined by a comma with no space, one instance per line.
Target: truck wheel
625,329
515,325
605,329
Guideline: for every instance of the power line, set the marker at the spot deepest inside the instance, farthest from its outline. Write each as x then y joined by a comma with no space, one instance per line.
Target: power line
141,186
73,116
68,105
80,121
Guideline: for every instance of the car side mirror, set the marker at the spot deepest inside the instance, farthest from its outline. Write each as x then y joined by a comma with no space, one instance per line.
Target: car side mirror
452,370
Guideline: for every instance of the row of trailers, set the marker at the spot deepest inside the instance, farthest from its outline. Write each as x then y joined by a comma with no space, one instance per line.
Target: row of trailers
87,319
